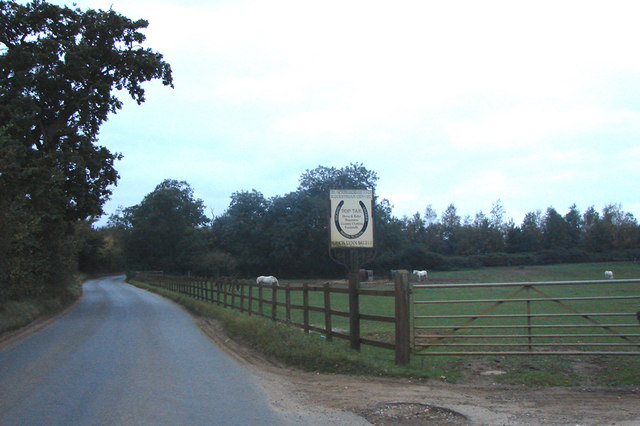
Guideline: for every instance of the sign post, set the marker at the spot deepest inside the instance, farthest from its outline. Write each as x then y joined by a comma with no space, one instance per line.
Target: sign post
352,244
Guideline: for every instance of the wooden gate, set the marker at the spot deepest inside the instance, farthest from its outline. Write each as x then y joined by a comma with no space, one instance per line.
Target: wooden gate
531,318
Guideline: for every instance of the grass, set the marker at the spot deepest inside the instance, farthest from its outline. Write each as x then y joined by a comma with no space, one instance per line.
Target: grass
545,370
313,352
17,314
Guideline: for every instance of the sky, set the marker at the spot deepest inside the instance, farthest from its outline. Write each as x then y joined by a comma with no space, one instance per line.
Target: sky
535,104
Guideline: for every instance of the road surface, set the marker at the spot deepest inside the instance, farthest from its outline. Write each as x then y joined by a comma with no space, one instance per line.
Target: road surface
126,356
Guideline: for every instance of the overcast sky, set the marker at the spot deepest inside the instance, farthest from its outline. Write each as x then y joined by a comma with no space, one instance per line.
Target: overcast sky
533,103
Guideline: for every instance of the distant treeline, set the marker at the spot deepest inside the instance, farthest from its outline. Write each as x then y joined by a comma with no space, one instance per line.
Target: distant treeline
288,235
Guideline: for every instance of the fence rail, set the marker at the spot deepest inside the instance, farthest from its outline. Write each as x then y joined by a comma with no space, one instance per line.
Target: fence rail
532,318
291,304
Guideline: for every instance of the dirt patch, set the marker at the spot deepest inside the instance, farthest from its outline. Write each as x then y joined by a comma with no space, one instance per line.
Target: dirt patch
404,413
480,400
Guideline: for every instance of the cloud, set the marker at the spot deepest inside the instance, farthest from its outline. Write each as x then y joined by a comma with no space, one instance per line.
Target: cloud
524,126
534,103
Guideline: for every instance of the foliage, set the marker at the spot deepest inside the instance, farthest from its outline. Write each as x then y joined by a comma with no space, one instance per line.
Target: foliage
287,234
162,232
59,68
100,250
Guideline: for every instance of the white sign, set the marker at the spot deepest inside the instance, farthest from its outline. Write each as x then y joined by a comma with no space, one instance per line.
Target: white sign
351,218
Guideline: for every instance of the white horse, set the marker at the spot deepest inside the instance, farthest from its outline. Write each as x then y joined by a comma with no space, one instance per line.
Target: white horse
268,280
422,275
608,275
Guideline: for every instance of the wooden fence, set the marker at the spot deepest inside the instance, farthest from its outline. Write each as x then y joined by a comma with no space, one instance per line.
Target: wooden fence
276,304
532,318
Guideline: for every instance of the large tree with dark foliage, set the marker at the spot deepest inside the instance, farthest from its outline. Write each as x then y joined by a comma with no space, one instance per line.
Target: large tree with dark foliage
59,70
162,231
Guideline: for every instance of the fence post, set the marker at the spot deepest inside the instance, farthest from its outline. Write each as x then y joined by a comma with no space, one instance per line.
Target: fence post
305,306
274,302
403,340
327,312
225,288
240,289
288,301
232,287
250,284
354,300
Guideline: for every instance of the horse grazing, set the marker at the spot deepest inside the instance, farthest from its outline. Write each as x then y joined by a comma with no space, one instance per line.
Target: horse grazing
608,275
422,275
268,280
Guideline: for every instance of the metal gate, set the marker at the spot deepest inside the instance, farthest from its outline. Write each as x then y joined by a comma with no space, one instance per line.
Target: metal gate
531,318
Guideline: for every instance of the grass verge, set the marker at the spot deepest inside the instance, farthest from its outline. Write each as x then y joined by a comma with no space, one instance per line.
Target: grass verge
18,314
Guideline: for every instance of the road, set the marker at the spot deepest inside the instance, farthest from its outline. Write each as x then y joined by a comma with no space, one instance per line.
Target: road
126,356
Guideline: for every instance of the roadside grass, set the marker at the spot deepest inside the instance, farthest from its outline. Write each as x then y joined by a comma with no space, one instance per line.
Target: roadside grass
313,352
18,314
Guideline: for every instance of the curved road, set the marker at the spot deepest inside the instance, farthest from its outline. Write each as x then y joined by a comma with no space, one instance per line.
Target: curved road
126,356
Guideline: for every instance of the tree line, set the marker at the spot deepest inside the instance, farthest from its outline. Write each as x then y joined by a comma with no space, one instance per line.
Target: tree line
288,235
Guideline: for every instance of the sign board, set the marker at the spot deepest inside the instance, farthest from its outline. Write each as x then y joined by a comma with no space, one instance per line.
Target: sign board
351,220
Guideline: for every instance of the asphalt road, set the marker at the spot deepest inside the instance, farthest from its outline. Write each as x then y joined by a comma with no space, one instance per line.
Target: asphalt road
126,356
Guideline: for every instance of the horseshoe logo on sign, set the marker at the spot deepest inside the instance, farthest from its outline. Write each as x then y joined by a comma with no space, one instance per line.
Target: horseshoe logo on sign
336,219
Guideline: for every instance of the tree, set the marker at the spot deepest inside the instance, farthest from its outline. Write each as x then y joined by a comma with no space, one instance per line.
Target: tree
485,235
592,233
291,231
498,218
555,230
240,231
574,223
319,181
430,215
100,250
621,226
160,229
528,236
450,229
59,68
415,228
